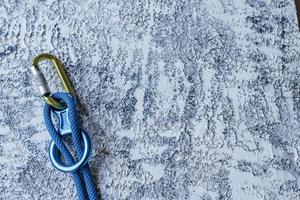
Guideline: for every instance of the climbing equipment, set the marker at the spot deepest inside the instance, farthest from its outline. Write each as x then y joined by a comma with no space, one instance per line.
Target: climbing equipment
41,82
63,106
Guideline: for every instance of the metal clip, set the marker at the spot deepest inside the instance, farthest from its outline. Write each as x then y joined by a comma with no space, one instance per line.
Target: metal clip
40,81
64,130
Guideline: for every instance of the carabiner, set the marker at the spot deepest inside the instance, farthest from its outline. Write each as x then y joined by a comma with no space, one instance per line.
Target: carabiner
40,81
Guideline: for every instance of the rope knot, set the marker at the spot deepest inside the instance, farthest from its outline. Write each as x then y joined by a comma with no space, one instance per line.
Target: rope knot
68,125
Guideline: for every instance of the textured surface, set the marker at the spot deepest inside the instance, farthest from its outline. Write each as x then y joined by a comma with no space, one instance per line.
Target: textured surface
194,99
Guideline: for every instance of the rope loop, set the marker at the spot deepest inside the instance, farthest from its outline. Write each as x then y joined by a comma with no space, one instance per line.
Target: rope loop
68,125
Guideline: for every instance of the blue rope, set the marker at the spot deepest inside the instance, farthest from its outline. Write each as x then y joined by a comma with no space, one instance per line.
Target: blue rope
86,188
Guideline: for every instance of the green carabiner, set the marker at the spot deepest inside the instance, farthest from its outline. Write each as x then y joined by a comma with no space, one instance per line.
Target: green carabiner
40,81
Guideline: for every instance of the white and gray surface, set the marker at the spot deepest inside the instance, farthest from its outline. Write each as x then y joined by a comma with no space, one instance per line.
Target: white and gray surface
194,99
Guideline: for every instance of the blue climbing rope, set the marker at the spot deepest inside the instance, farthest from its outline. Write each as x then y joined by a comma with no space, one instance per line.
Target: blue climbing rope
82,177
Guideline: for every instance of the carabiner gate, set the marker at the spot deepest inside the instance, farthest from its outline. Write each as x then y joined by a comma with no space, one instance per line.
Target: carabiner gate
41,83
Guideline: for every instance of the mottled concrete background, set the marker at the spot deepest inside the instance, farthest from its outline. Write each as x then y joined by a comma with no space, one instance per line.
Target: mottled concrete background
195,99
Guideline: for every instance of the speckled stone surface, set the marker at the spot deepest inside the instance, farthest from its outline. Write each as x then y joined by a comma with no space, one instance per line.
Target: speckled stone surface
195,99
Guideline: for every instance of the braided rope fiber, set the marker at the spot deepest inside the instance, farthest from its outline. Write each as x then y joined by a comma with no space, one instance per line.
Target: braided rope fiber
86,188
